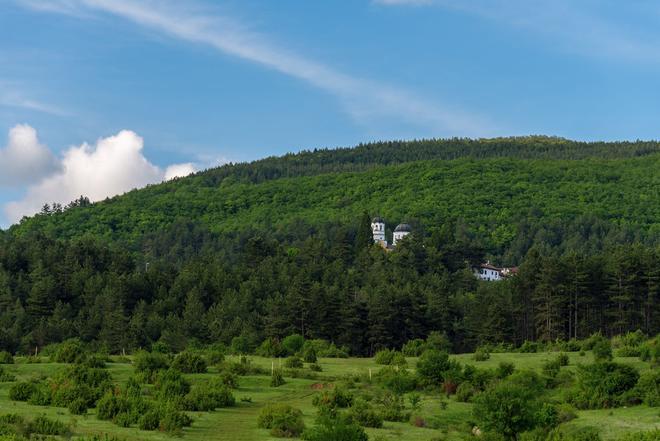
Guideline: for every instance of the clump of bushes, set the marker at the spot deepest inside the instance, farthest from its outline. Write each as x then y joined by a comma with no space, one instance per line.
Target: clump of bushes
335,429
209,396
69,351
602,349
6,358
397,380
293,362
481,354
282,420
362,413
277,378
147,364
604,385
6,377
433,366
390,358
329,402
504,369
189,363
648,388
293,344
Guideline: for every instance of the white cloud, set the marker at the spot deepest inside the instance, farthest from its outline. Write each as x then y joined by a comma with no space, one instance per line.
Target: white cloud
179,170
113,166
24,159
364,99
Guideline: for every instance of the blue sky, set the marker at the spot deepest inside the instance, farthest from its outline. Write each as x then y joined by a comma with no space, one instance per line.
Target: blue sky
197,83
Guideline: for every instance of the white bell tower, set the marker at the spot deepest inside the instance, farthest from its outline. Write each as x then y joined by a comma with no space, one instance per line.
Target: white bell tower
378,229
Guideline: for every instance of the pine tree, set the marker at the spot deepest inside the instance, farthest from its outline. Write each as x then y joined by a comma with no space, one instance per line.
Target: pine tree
364,237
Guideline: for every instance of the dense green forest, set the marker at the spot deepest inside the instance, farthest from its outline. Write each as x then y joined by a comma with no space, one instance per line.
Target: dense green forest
249,252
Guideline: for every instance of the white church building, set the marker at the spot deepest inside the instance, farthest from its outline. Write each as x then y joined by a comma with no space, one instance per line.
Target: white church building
378,230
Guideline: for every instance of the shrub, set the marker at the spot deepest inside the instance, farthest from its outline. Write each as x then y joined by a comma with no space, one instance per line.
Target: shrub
563,359
652,435
529,347
293,363
189,363
78,406
214,357
335,430
572,434
506,408
465,392
398,381
69,351
547,416
432,366
148,363
603,385
602,349
393,407
170,384
282,420
414,348
228,379
648,388
293,344
551,368
22,391
438,341
315,367
6,358
363,414
277,379
384,357
209,396
172,420
309,354
240,345
46,426
270,348
504,369
481,354
149,420
6,377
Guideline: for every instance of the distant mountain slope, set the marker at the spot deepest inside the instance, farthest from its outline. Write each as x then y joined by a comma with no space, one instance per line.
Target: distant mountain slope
513,181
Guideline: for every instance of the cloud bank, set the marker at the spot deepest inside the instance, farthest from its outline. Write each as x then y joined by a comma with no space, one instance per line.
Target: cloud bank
112,166
24,159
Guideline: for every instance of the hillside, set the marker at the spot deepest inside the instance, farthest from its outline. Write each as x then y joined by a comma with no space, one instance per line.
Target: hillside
497,188
284,245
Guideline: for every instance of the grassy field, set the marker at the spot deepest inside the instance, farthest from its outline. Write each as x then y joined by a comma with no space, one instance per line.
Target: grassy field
449,421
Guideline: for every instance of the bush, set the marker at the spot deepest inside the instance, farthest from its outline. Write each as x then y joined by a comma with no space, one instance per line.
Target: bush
282,420
432,365
214,357
602,349
529,347
293,363
189,363
465,392
293,344
309,355
78,406
170,385
603,385
315,367
240,345
384,357
277,379
69,351
572,434
22,391
6,358
507,409
438,341
652,435
228,379
335,430
363,414
563,359
208,397
481,354
172,421
504,369
551,368
148,363
271,348
414,348
398,381
648,388
149,420
6,377
45,426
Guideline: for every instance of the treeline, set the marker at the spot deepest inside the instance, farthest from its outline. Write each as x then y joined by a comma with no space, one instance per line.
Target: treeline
189,286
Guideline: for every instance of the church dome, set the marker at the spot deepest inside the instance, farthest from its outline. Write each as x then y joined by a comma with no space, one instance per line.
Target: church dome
378,220
403,228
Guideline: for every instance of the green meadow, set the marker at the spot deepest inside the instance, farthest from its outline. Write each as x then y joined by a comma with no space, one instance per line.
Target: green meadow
445,418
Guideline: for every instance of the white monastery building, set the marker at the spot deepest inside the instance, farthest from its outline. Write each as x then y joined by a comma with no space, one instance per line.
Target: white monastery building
378,230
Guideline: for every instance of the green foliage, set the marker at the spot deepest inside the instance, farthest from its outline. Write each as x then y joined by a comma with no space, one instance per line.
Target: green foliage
396,380
148,363
432,366
171,385
652,435
481,354
293,344
361,412
282,420
209,396
390,357
507,409
648,388
414,347
504,369
46,426
602,349
6,377
189,363
6,358
337,429
277,378
69,351
293,363
22,391
604,385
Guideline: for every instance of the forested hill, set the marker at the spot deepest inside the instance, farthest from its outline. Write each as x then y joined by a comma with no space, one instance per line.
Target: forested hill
507,193
249,253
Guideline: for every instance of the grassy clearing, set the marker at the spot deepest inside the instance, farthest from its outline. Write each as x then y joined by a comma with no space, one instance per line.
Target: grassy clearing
449,421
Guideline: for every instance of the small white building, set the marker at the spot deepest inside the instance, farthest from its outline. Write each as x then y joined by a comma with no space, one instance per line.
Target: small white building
492,273
378,230
401,231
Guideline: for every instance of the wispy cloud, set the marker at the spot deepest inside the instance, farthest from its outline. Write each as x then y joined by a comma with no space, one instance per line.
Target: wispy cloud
12,96
572,26
365,99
